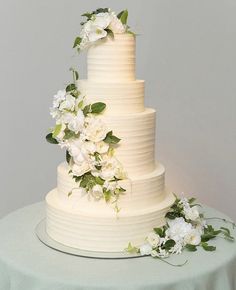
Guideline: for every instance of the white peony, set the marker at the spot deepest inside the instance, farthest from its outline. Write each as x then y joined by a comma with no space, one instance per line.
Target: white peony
193,237
145,249
153,239
68,103
102,147
116,25
80,169
191,213
77,123
95,130
97,191
178,229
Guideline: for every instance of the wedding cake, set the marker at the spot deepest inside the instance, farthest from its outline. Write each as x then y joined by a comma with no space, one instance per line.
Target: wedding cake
111,191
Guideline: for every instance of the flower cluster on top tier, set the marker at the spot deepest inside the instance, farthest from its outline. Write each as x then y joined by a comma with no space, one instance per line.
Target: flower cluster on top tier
88,142
99,24
186,228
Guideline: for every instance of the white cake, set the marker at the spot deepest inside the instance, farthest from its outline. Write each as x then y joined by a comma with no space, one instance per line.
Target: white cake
78,220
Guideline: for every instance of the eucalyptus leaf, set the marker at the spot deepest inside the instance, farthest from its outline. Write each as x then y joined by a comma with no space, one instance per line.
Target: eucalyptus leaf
50,139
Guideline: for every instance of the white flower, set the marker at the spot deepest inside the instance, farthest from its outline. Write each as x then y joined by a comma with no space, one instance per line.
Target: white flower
58,98
116,25
193,237
154,253
89,147
97,191
102,147
68,103
153,239
102,20
66,117
95,130
109,167
191,213
178,229
162,253
145,249
177,248
110,185
80,169
77,123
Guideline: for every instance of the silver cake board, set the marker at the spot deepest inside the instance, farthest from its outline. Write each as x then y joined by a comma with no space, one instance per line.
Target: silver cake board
43,236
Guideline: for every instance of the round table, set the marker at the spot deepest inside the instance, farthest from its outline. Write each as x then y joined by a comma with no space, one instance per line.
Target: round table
27,264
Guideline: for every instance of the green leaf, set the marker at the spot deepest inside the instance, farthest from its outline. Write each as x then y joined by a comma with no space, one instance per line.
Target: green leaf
192,199
123,16
227,234
97,108
75,74
69,193
160,232
206,247
207,237
57,130
171,215
100,10
86,110
68,157
77,178
77,41
111,139
87,14
80,104
70,134
121,189
110,33
191,248
50,139
70,87
99,180
107,195
131,249
169,244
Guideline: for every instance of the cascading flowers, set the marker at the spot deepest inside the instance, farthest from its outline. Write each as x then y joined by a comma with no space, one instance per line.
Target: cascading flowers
186,228
100,24
88,142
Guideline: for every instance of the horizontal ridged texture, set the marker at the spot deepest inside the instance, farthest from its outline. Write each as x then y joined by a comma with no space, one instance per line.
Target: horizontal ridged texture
141,192
112,60
136,149
101,230
120,98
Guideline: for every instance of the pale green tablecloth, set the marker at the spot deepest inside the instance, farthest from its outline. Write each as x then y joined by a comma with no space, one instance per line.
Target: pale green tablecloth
27,264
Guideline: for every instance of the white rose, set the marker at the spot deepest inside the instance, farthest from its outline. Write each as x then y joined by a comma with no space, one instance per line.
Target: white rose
95,130
77,123
153,239
68,103
178,229
191,213
97,191
116,25
193,237
102,147
145,249
80,169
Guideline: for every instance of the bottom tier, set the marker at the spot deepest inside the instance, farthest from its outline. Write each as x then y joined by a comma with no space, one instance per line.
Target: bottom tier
104,231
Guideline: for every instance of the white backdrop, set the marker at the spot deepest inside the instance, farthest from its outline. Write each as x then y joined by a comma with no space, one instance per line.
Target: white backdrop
186,52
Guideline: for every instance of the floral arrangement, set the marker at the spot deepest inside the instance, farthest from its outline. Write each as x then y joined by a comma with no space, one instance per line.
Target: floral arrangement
100,24
89,144
186,228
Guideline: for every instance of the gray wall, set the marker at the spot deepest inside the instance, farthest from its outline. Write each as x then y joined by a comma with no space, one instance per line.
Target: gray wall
186,54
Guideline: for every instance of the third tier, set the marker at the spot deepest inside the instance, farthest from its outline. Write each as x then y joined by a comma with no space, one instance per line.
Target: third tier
137,146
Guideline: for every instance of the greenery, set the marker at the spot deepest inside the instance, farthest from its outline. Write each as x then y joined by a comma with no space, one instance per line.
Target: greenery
111,139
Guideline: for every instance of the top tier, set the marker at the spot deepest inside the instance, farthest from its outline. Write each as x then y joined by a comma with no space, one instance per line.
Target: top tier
112,60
